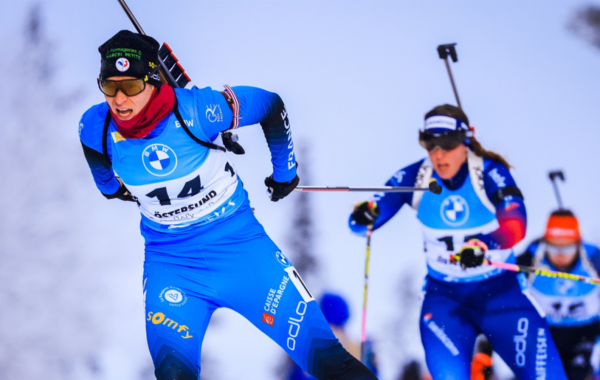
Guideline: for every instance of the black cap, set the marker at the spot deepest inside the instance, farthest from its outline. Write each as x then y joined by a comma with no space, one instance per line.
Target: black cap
132,55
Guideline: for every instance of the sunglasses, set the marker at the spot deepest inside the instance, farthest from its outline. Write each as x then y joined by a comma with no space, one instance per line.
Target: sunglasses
445,141
566,250
129,87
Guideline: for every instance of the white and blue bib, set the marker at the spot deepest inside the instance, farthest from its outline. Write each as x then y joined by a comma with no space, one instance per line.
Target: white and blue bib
566,302
176,181
452,218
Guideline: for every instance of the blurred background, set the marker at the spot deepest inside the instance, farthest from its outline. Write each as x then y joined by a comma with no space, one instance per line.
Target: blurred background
357,78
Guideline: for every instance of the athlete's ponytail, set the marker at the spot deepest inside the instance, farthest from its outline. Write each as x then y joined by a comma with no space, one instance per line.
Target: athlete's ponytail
474,145
476,148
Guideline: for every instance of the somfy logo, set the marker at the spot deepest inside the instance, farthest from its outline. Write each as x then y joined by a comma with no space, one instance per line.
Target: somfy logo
521,341
162,319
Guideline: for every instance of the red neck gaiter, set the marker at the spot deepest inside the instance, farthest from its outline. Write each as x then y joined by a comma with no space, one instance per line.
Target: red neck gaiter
160,105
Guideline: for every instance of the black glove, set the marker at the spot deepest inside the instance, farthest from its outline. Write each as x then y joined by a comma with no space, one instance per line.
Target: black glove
280,190
365,213
472,254
122,194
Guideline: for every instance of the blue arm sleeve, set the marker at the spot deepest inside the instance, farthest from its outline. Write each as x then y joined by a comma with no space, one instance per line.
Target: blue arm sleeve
90,134
102,172
267,108
496,176
593,253
390,203
213,106
510,209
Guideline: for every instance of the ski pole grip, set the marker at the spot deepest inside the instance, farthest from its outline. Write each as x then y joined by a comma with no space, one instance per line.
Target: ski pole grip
556,174
434,186
448,49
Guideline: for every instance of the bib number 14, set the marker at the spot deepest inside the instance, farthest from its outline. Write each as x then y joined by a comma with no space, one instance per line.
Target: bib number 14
190,188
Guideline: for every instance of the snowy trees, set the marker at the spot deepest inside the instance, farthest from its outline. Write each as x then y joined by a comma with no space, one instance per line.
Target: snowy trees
301,236
56,318
586,23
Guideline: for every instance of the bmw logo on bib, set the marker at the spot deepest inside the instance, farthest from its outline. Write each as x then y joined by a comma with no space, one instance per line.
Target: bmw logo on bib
159,160
455,210
282,259
565,287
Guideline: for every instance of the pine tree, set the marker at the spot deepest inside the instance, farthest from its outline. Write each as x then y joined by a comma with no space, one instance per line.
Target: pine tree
301,236
44,330
586,23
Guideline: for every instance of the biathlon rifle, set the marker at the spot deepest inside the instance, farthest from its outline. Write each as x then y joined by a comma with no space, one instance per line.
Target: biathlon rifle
172,72
450,50
554,175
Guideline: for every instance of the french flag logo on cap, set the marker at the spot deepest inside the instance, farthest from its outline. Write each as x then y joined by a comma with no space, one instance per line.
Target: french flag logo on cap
122,64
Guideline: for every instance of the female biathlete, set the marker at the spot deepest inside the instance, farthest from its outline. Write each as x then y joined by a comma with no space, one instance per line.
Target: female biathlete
479,214
204,249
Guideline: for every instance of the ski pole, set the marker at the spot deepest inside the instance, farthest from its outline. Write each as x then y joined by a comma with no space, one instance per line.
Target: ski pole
434,187
543,272
363,334
540,272
553,176
443,52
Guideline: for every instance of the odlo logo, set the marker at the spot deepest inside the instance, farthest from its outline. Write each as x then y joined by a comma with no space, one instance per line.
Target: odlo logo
295,325
521,341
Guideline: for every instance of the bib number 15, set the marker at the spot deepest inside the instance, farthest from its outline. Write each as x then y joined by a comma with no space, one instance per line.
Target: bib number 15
449,241
190,188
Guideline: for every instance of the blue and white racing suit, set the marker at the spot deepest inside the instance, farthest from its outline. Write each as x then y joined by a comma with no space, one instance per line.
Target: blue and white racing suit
482,202
572,307
204,249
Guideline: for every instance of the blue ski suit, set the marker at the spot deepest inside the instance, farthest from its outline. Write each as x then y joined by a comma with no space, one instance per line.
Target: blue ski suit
481,201
572,308
204,249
